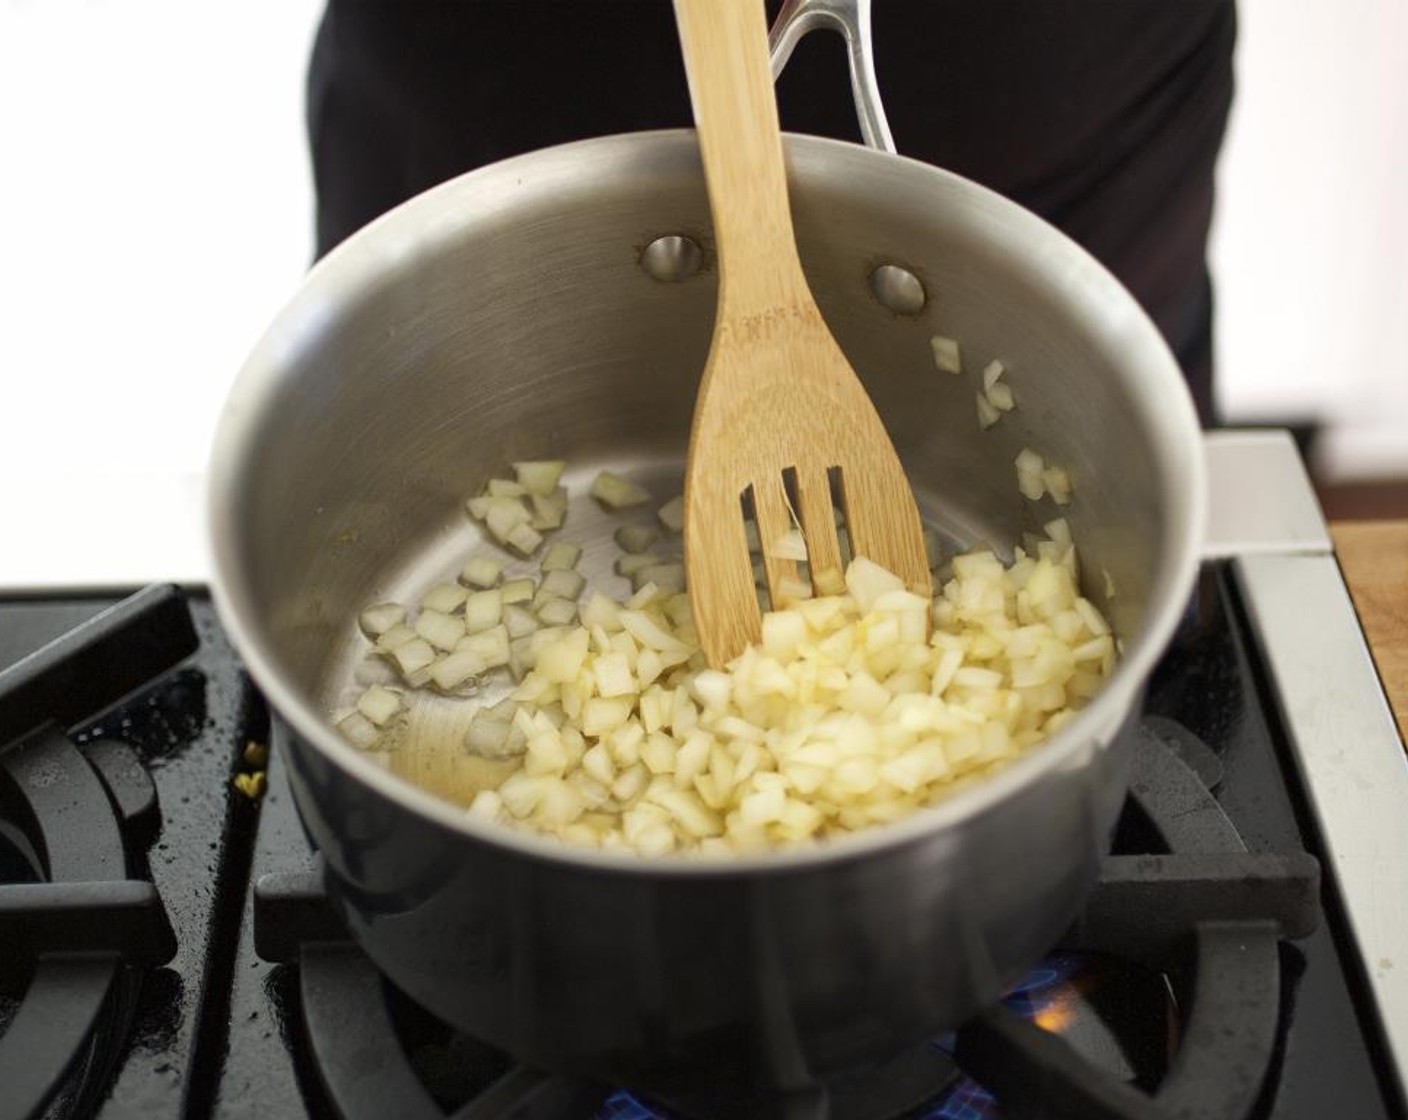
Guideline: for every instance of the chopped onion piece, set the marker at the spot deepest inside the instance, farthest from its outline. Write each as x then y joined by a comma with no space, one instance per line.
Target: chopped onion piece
991,372
504,488
867,581
671,514
487,804
439,629
946,354
393,639
490,646
373,669
414,660
377,620
645,594
548,512
481,571
457,669
1058,485
503,515
557,612
564,583
518,621
444,597
491,736
560,556
629,565
1029,474
524,539
792,589
483,610
539,476
517,591
790,546
358,730
988,414
1001,398
668,578
615,492
635,539
380,705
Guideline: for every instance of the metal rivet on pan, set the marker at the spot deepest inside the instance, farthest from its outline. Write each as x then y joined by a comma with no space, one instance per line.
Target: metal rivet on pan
897,288
672,258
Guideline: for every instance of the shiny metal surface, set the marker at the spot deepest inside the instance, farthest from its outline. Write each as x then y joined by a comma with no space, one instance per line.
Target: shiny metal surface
851,19
898,289
503,316
1350,757
1260,499
672,258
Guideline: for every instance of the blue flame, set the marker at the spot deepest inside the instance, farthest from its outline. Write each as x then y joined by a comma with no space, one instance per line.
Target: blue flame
967,1100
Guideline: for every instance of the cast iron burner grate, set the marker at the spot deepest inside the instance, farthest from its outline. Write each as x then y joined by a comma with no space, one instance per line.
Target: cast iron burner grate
77,926
1197,908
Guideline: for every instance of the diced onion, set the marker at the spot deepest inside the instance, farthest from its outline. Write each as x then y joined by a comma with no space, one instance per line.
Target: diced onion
393,639
668,578
377,620
504,488
847,714
481,571
442,631
358,730
557,612
524,539
1029,474
518,621
1000,397
560,556
615,492
635,539
444,597
564,583
1058,485
483,610
671,514
790,546
414,660
380,705
988,415
630,564
946,354
548,511
539,476
517,591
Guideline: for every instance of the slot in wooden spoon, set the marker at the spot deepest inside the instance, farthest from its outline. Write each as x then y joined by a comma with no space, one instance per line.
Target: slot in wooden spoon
778,402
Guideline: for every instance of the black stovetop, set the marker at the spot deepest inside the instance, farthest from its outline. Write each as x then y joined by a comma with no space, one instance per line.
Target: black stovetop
153,967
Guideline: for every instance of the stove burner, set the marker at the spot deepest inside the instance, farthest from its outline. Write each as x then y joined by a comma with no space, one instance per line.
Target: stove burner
78,923
1210,915
1202,911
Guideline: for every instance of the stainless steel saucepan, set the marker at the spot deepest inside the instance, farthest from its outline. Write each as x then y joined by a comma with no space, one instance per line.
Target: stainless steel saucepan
559,305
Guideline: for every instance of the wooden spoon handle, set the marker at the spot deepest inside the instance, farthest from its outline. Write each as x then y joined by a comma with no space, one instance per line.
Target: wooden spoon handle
725,45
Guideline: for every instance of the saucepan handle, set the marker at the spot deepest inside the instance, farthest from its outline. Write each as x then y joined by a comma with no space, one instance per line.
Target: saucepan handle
851,18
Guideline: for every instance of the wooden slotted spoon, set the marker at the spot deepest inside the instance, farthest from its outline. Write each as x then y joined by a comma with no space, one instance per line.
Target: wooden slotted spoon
778,398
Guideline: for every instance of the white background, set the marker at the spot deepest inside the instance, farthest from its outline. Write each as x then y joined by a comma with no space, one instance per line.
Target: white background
155,210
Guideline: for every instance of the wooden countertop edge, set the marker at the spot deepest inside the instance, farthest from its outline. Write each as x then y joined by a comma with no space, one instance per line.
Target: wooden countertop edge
1373,556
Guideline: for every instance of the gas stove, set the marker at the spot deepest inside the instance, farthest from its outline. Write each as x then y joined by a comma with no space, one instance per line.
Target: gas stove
168,951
